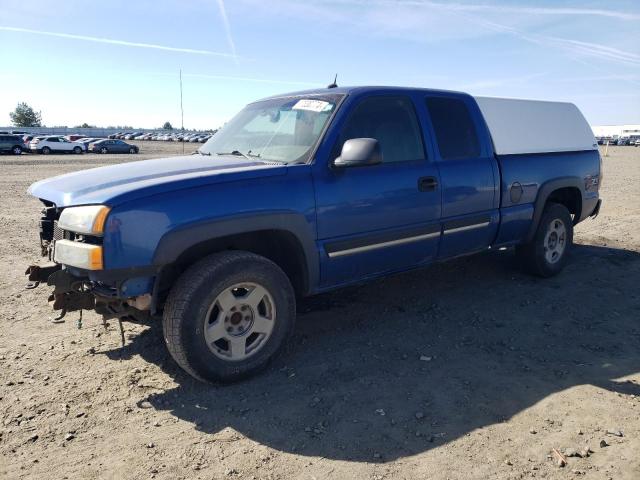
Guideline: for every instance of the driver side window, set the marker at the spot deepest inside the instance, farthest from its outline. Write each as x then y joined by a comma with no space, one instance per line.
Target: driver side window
390,120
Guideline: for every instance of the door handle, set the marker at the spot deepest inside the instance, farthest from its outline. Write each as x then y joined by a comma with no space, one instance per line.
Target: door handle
427,184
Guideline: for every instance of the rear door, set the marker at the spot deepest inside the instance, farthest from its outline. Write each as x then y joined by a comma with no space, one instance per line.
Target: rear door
468,172
53,143
381,217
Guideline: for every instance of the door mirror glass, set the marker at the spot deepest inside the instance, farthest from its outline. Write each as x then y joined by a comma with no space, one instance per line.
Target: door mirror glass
359,152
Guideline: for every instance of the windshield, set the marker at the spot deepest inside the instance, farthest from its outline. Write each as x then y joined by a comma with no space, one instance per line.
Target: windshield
280,130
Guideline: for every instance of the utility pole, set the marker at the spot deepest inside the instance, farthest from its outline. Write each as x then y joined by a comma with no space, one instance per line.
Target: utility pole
181,113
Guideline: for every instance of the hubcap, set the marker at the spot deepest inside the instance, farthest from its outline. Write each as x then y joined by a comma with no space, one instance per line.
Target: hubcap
239,321
555,241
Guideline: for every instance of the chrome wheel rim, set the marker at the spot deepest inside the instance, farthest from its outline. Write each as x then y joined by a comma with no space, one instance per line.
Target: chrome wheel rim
17,151
239,321
555,241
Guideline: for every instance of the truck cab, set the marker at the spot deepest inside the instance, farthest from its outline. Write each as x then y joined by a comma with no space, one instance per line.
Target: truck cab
307,192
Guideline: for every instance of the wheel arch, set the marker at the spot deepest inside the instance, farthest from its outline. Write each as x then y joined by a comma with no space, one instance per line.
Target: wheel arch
567,191
285,239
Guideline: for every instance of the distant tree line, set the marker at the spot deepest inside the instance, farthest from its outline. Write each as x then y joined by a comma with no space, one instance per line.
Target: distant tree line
25,116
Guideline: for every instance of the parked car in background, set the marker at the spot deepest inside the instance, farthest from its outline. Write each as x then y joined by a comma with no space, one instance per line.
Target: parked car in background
47,145
87,141
75,137
112,146
26,140
11,143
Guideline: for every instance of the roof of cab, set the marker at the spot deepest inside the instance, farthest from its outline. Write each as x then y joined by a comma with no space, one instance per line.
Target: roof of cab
358,89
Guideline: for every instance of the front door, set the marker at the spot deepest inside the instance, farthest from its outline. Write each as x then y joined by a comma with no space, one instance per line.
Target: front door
382,217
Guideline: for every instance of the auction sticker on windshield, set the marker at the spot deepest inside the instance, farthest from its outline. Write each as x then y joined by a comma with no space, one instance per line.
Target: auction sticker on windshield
312,105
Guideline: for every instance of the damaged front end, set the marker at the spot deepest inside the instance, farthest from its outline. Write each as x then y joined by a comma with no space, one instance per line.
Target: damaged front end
70,293
76,289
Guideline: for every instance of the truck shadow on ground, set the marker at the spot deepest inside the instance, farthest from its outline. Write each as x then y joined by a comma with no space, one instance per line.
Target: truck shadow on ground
408,363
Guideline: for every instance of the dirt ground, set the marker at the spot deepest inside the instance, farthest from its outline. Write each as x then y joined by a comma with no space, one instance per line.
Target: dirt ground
466,370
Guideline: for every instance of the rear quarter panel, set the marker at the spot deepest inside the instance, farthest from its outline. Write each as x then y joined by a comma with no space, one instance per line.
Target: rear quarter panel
532,172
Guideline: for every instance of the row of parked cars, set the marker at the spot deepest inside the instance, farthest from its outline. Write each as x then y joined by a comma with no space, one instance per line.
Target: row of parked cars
163,136
46,144
620,141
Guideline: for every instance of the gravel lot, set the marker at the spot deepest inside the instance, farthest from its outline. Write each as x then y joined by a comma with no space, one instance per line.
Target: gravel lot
466,370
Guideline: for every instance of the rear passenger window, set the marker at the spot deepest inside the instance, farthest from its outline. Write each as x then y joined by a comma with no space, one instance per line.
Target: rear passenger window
390,120
455,132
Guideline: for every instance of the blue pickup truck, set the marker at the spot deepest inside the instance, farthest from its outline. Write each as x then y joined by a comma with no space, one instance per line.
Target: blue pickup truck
307,192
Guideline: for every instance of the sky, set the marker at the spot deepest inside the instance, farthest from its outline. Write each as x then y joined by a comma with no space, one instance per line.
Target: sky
116,62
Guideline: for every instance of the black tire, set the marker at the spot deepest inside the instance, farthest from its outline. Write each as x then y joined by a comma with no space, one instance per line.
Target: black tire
77,150
196,290
534,255
104,150
46,150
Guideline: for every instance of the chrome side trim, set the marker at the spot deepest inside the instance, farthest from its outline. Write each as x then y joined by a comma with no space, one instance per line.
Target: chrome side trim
375,246
466,227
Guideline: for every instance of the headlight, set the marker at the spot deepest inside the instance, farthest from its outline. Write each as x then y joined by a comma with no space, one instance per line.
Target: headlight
88,220
76,254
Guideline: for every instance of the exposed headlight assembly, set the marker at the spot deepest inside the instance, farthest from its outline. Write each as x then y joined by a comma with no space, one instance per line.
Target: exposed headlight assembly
76,254
87,220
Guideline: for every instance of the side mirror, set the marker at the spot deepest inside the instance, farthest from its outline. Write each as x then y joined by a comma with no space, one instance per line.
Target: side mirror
359,152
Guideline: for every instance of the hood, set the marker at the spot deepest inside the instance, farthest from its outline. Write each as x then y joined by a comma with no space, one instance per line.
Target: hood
119,183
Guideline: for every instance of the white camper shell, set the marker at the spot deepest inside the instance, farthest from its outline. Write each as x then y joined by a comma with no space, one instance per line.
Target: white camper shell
531,126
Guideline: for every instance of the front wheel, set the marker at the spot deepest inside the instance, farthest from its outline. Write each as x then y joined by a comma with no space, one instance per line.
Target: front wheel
132,150
228,315
546,254
77,150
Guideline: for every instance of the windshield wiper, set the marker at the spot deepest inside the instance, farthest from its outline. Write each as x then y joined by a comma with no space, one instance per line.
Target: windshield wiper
247,155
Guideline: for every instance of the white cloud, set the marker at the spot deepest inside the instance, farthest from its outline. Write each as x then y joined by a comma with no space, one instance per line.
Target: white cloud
430,21
112,41
227,28
519,9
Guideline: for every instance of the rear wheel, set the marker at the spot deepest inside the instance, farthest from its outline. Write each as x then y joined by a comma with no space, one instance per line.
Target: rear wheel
46,150
546,254
17,150
104,150
228,315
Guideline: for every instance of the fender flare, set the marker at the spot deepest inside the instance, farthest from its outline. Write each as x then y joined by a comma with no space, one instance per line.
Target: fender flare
177,241
543,194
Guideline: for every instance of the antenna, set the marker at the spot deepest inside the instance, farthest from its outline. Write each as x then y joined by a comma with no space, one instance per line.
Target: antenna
334,84
181,113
